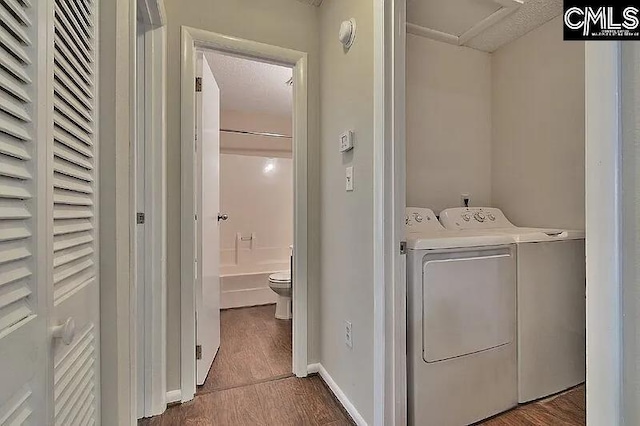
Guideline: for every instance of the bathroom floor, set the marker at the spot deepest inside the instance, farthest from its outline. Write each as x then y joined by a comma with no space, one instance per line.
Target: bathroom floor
255,347
565,409
250,382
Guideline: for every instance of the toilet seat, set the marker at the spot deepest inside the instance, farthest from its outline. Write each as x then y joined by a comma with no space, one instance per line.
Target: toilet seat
280,277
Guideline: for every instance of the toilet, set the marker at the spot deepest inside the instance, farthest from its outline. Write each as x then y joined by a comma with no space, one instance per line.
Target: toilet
280,283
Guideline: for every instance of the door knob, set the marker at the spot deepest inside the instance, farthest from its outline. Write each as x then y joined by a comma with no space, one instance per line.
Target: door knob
65,331
222,217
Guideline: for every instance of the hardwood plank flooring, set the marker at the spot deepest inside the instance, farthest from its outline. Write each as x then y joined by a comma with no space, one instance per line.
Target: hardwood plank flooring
250,382
281,402
565,409
255,346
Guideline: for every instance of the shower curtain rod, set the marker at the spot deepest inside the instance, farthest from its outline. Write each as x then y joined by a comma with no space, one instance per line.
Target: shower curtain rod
245,132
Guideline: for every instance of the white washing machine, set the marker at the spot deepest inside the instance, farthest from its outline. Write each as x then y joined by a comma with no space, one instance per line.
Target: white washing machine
551,300
461,340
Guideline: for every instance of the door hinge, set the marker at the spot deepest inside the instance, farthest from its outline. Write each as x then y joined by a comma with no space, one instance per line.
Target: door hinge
198,84
198,351
403,247
140,218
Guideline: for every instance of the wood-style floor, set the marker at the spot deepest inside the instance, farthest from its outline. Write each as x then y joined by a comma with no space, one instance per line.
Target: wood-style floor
566,409
250,382
255,346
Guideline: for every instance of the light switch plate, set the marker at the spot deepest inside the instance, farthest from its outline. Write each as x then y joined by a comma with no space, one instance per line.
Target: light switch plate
346,141
349,178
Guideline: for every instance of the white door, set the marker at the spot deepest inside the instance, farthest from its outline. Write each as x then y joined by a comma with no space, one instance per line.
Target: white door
74,288
208,231
24,275
49,369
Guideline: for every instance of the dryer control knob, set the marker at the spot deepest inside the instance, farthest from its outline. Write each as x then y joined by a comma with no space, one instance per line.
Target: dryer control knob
480,217
491,217
466,217
417,217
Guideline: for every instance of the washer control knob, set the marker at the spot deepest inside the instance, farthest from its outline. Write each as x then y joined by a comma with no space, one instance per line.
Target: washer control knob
466,217
417,217
479,216
491,217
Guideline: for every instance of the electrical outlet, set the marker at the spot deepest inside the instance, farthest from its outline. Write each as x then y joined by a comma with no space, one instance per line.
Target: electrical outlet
465,199
348,335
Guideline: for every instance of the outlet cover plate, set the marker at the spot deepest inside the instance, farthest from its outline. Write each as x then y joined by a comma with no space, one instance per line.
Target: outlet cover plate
348,334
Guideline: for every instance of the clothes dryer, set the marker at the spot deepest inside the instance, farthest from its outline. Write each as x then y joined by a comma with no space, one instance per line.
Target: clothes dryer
461,343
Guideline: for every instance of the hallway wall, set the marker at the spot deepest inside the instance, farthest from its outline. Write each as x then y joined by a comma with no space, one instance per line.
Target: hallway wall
285,23
346,292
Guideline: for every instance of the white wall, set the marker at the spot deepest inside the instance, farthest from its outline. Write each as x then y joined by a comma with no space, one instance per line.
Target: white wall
538,153
255,122
257,194
448,107
286,23
346,291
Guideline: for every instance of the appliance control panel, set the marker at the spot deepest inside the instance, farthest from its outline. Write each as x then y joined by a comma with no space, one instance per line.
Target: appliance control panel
419,219
474,218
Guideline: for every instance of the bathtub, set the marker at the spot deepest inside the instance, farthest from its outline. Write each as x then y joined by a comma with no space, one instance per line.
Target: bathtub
244,275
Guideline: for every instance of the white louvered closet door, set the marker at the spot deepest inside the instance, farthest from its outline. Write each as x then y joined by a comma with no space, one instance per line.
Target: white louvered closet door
48,224
74,259
24,298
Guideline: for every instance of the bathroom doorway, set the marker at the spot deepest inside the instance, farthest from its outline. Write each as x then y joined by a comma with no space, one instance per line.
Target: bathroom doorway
243,213
244,234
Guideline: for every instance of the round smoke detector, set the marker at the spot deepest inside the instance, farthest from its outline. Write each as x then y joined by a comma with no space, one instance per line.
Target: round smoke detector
347,32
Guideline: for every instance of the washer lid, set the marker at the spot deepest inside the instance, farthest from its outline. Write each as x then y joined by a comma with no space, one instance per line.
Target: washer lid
536,235
476,218
490,219
284,276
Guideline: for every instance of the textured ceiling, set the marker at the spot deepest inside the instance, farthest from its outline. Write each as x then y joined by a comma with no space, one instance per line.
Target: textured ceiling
312,2
251,86
450,15
531,15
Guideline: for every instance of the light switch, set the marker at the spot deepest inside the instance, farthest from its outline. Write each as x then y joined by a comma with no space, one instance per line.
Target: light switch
349,178
346,141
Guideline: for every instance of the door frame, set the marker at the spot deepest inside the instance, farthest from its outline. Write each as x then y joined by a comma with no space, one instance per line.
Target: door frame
193,39
604,198
150,334
393,188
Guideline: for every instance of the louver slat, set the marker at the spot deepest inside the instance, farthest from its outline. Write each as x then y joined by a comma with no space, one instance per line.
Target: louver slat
78,34
74,382
73,189
16,181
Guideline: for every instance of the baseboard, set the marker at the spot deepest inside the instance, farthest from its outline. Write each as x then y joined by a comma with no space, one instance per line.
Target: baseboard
174,396
247,297
326,377
313,368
